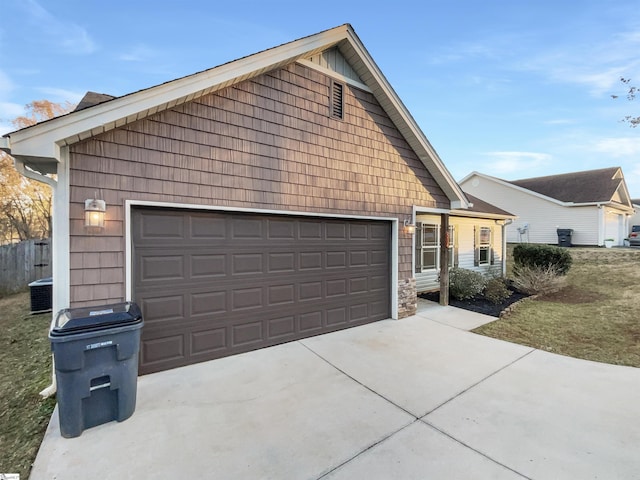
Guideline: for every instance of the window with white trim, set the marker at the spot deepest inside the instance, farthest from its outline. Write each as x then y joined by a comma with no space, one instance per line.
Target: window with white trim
428,247
483,246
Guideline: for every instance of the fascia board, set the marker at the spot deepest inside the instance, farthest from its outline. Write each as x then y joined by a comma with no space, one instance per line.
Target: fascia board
491,216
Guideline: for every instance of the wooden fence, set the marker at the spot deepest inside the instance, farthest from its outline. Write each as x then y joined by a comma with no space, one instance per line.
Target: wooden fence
24,262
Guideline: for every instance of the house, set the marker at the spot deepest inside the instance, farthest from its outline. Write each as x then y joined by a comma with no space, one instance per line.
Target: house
477,241
258,202
635,219
594,204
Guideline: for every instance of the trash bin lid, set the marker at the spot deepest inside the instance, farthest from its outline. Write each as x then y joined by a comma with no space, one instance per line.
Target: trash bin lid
89,319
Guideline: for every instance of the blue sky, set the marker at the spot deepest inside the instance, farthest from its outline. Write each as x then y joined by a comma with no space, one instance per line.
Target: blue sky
511,88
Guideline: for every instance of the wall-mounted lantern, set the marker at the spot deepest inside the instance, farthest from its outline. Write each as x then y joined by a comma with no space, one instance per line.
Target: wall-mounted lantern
94,212
409,227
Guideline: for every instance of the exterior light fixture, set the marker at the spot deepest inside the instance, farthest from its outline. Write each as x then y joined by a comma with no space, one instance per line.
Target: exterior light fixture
94,211
409,227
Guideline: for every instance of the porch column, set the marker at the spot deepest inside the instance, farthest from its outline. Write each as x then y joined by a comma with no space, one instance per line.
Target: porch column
444,259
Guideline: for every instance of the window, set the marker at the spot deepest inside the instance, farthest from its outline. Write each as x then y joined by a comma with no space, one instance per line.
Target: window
428,247
337,100
483,246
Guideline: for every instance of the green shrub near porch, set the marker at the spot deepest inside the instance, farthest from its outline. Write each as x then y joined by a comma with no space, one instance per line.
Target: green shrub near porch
543,257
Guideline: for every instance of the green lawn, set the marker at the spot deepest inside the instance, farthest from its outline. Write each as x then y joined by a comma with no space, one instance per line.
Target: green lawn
596,316
25,369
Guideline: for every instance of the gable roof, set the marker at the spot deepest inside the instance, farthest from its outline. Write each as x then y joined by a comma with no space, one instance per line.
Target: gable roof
92,98
590,186
39,146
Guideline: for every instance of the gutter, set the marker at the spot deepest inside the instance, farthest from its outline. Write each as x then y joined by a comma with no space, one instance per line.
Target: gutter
33,175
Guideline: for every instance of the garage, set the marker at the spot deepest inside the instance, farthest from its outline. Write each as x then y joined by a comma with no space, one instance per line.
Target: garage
213,284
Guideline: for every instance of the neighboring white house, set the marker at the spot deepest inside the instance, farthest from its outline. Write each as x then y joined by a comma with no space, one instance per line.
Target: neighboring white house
476,242
595,204
635,219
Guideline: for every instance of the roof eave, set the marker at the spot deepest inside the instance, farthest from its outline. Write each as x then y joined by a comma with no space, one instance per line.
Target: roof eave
491,216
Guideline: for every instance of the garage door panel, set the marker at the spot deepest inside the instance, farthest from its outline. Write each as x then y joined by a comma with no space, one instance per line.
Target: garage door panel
208,265
246,228
163,309
235,282
281,229
206,227
162,268
208,303
246,298
161,226
282,327
168,348
281,262
208,341
247,333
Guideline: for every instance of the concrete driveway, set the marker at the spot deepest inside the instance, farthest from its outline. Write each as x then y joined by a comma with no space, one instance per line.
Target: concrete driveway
411,399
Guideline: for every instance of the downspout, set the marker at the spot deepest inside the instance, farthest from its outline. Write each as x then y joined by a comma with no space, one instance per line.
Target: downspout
38,177
508,221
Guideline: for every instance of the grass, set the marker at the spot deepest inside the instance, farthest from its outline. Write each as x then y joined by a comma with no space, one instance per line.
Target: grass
595,317
25,369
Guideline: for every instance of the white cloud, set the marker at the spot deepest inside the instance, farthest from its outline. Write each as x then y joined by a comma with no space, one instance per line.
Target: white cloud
596,66
619,147
70,37
139,53
506,163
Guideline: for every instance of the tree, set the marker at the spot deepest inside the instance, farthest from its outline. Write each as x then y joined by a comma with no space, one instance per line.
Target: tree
25,205
632,91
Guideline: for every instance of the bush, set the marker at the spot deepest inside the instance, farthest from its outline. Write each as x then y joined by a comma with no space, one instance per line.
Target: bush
536,280
465,283
542,256
496,290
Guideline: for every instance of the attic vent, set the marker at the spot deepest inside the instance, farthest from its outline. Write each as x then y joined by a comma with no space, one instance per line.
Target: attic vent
337,100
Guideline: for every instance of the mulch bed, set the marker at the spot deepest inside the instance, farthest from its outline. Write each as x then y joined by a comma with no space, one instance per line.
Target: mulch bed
479,304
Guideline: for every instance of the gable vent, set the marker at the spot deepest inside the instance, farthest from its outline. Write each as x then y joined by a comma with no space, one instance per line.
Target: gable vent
337,100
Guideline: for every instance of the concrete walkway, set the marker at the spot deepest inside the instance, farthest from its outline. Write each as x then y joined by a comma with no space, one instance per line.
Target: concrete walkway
417,398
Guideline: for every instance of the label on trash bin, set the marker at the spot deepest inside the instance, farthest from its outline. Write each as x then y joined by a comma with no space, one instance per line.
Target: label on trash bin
98,345
100,312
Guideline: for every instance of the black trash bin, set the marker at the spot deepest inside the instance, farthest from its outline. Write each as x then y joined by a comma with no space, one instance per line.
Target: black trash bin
96,363
564,237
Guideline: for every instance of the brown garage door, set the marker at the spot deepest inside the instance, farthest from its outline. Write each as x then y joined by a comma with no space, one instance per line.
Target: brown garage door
216,284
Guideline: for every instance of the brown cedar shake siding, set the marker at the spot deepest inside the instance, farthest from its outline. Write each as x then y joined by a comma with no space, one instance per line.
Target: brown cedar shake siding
266,143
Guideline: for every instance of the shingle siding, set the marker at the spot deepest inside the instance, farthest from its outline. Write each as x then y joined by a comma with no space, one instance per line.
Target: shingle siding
266,143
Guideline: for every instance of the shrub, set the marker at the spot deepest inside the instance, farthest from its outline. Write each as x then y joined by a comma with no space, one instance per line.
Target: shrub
465,283
543,256
496,290
535,280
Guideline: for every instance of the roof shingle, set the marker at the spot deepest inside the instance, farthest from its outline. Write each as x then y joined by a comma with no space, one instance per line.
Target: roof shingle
577,187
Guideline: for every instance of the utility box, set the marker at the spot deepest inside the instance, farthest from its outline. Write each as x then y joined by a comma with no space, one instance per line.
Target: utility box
564,237
41,295
95,352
